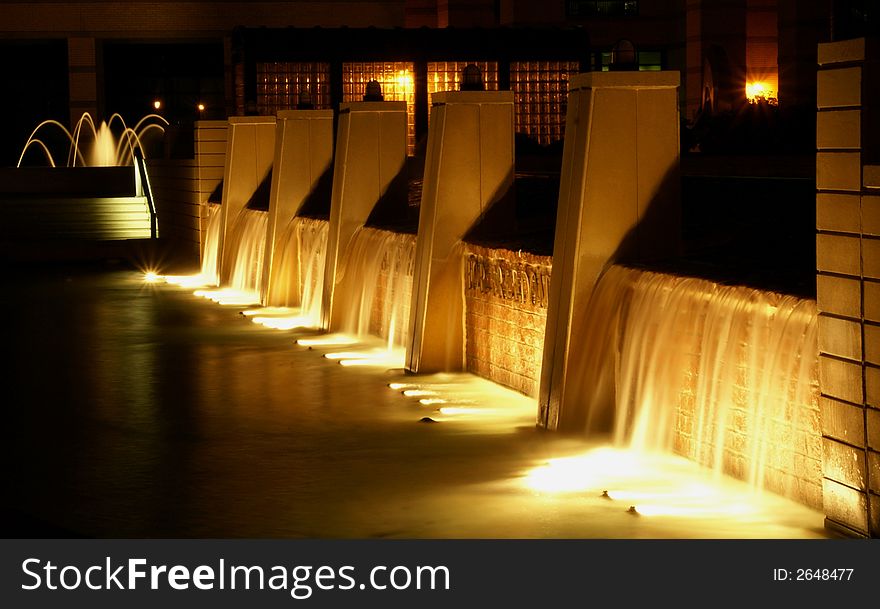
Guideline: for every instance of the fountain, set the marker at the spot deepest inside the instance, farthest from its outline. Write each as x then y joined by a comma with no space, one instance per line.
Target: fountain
299,260
211,253
106,149
375,283
723,375
100,191
247,243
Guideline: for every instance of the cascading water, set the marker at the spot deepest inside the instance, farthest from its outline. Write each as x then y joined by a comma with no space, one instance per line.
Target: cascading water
375,285
724,375
212,245
299,280
247,243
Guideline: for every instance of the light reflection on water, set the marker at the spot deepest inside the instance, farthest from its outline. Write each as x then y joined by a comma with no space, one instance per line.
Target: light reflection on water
149,412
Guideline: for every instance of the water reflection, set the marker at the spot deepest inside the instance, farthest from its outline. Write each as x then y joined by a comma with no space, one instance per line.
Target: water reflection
151,413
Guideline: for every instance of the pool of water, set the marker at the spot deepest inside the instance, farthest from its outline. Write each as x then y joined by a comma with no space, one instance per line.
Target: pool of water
141,410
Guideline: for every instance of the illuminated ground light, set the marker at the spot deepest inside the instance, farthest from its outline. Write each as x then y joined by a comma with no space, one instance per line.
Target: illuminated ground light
464,397
384,358
417,393
229,296
328,340
152,277
269,311
279,318
189,281
652,484
469,411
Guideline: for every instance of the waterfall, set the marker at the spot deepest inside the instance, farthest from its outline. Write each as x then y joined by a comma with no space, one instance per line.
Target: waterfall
374,285
246,242
212,245
724,375
298,278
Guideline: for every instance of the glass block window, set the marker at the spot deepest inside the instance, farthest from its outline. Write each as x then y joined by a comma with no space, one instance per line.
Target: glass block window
540,91
446,75
396,78
280,83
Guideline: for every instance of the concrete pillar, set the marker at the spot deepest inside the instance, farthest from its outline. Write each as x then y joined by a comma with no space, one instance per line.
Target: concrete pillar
370,152
469,166
848,283
250,148
618,202
210,157
81,60
303,152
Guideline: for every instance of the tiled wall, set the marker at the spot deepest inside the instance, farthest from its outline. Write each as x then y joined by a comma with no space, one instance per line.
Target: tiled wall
848,287
506,315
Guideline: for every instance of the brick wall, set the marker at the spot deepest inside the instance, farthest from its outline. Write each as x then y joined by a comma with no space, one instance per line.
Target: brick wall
848,283
505,315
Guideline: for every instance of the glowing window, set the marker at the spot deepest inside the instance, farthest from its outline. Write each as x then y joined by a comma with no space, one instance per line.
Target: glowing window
279,85
540,89
396,78
446,75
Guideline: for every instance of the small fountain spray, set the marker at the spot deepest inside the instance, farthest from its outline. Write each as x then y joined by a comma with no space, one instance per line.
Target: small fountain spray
107,149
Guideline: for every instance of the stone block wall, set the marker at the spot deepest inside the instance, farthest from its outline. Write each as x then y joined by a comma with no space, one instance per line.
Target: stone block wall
505,315
848,284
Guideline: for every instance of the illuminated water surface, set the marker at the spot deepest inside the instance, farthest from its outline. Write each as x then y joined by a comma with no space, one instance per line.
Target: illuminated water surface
141,410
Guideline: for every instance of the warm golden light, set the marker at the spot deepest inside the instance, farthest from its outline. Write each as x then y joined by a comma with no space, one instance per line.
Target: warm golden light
189,281
152,277
758,91
283,323
416,393
157,104
346,355
330,340
464,410
653,484
269,311
201,107
404,80
389,358
228,296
